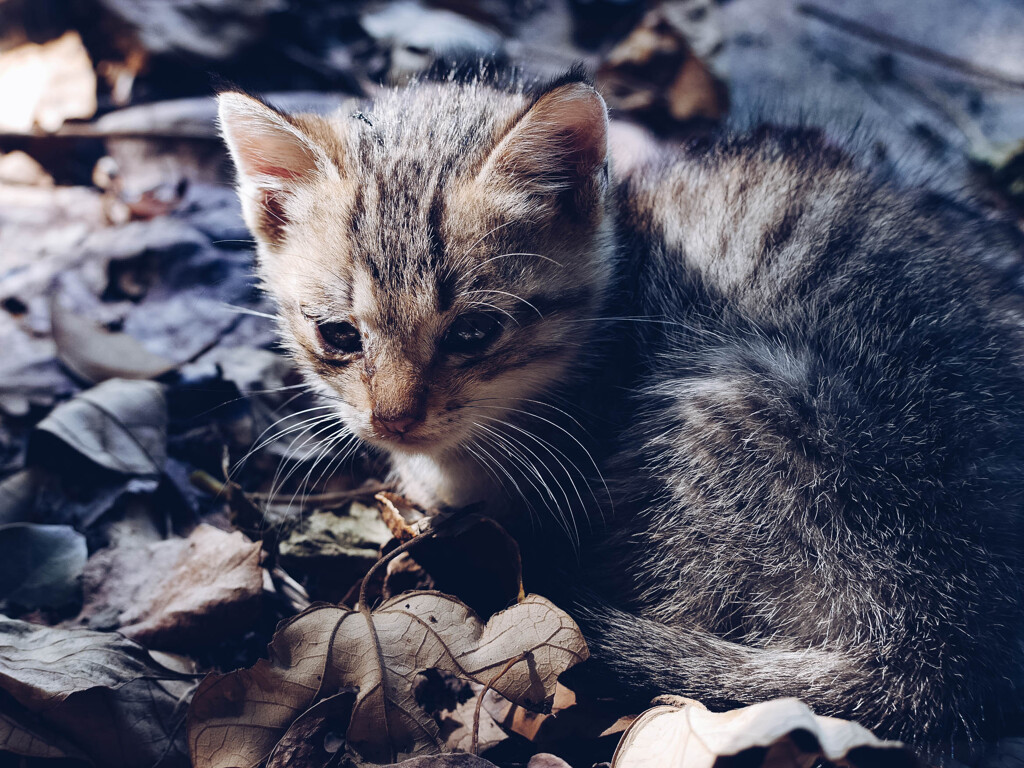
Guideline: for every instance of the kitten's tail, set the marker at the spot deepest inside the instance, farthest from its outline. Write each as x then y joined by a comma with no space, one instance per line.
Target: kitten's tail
648,658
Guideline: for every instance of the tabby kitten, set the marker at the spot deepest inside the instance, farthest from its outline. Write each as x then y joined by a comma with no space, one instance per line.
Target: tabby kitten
775,400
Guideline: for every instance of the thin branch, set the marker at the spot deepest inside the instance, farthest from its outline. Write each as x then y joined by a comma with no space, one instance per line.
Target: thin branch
898,44
475,745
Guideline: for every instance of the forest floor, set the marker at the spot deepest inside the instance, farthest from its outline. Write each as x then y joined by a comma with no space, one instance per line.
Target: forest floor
168,509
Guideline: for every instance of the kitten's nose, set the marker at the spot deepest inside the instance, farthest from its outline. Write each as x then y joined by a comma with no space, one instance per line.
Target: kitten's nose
396,425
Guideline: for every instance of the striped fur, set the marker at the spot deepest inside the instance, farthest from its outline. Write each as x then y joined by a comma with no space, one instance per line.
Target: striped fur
775,400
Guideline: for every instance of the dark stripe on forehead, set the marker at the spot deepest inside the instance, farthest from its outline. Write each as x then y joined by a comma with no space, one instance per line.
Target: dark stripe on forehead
435,222
443,286
445,292
358,210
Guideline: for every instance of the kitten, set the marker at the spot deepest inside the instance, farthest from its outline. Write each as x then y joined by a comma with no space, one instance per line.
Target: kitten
786,394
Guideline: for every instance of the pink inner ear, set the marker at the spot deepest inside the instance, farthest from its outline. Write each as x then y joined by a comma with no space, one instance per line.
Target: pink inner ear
561,141
266,148
584,129
275,154
277,172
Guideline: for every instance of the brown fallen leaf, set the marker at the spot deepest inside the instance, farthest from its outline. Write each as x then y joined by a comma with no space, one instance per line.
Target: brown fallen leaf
588,730
119,425
783,733
179,593
462,723
237,719
391,506
41,566
317,734
656,76
22,734
102,693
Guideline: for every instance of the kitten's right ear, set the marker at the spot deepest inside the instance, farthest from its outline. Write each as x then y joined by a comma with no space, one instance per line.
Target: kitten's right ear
272,156
560,144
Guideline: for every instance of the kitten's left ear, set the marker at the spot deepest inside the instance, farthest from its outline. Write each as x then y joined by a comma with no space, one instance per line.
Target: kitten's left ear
560,143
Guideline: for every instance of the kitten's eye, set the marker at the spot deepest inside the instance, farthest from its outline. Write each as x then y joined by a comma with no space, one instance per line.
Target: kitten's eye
340,337
471,332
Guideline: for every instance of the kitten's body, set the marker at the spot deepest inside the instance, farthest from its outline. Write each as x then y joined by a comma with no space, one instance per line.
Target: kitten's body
787,396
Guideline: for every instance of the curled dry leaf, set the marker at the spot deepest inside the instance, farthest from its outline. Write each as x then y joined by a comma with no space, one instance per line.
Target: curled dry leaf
783,733
103,694
237,719
392,506
95,354
179,593
120,425
656,76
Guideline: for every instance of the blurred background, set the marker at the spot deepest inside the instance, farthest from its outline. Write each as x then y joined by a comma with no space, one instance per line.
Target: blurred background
143,398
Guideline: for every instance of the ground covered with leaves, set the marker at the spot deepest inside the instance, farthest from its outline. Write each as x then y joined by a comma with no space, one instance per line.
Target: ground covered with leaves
192,570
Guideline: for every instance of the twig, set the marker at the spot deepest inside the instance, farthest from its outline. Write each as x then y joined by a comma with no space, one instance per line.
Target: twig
475,743
364,609
428,534
331,497
908,47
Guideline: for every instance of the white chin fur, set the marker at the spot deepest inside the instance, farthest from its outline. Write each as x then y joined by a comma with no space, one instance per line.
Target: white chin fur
436,481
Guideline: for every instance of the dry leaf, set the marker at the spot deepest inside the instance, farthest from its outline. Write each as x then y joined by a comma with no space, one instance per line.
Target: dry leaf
217,30
236,719
41,565
655,75
783,733
22,735
451,760
353,533
19,168
547,760
178,593
457,720
316,735
95,354
44,85
120,425
570,724
102,693
391,506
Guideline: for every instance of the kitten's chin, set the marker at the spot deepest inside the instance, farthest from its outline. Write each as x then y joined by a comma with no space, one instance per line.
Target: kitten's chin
437,481
406,445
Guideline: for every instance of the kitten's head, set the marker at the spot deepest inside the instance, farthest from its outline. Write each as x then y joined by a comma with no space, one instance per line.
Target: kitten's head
438,257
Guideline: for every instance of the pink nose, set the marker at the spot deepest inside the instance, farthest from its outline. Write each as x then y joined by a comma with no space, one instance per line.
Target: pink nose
396,425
